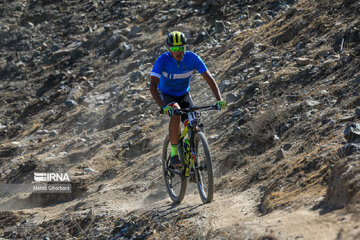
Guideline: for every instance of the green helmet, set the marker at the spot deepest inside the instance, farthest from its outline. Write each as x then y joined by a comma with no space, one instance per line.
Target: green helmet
176,38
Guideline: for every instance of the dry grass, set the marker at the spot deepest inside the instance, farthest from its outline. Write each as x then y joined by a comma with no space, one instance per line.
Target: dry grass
36,125
300,180
291,199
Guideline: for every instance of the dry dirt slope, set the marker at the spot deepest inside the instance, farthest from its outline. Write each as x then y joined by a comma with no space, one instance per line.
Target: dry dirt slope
288,69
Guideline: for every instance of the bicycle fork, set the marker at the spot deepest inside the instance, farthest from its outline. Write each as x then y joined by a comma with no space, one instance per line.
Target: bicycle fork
187,157
192,166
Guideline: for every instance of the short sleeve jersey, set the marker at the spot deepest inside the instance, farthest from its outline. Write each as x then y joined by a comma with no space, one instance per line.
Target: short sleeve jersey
175,76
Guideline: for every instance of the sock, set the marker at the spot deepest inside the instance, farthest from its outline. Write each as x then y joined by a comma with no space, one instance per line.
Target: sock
174,149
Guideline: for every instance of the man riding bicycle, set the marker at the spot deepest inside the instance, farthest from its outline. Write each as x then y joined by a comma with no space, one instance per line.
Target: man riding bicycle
170,85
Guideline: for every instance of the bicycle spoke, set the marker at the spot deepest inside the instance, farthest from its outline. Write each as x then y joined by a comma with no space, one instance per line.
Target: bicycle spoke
175,184
204,170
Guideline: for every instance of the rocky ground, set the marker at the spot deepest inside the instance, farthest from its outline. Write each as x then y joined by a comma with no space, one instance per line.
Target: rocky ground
74,82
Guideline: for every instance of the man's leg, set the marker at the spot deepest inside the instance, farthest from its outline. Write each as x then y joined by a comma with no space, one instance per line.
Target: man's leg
174,132
174,126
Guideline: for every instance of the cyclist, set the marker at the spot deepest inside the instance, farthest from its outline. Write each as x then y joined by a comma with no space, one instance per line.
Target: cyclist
170,85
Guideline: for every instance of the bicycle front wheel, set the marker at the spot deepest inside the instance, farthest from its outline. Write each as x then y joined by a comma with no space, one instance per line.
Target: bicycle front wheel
203,168
175,183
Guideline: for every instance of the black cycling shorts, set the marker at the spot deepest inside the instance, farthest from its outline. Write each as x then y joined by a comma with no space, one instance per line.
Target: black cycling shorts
184,101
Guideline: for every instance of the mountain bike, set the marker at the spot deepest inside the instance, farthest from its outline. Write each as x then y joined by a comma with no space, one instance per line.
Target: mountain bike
195,156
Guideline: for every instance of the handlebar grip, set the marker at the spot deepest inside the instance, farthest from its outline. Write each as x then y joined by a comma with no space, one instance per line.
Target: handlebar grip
185,111
176,112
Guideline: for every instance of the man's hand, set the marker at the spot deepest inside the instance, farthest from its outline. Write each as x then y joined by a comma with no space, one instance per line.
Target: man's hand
168,110
220,105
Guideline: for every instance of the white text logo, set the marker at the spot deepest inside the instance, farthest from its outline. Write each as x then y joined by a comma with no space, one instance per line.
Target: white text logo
51,177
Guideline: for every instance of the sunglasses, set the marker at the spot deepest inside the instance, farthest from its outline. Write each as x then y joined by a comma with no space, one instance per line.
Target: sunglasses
177,49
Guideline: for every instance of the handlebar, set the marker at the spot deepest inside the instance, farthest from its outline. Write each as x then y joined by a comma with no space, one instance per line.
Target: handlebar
185,111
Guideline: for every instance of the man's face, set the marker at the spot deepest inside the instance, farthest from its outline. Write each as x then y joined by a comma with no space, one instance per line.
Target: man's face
177,52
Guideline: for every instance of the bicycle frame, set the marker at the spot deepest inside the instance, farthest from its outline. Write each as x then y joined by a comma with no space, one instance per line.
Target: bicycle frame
190,161
197,167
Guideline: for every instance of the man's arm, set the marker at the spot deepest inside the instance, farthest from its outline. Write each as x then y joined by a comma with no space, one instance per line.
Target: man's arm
154,82
214,87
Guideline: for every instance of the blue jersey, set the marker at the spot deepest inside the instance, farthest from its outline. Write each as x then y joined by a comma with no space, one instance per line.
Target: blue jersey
175,76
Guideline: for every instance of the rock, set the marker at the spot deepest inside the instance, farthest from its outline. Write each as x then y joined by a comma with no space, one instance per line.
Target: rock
137,130
257,23
51,112
135,76
89,170
287,146
126,50
75,93
70,50
323,93
329,63
53,133
250,88
134,32
352,132
300,46
85,70
357,112
247,117
114,40
280,154
240,78
302,61
237,113
243,17
247,47
107,27
42,132
311,112
225,85
257,16
231,97
276,6
201,36
219,26
331,123
70,103
344,183
312,103
216,3
243,119
29,25
115,54
348,150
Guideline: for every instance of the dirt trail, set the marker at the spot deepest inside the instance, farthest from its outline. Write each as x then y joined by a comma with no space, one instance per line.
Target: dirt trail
138,191
230,216
237,215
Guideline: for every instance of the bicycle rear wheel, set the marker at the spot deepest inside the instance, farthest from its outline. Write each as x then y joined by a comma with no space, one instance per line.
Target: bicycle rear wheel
203,171
175,184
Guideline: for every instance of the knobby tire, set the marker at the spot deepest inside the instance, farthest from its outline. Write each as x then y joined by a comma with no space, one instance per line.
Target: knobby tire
172,181
204,173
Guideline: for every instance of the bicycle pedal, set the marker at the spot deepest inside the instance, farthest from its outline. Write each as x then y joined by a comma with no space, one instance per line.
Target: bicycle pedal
192,178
